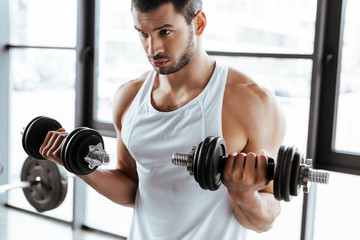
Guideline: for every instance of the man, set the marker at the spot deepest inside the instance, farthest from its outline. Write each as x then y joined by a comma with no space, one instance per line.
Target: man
187,97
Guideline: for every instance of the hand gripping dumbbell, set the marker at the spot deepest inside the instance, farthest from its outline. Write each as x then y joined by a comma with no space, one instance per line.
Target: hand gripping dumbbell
44,184
82,150
291,171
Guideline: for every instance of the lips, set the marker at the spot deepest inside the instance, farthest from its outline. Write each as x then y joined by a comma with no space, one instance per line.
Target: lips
160,63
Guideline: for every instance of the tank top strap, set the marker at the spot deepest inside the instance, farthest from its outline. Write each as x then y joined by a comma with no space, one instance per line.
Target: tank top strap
216,88
141,98
213,101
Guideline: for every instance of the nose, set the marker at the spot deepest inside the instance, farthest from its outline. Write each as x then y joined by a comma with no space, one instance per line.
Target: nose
155,46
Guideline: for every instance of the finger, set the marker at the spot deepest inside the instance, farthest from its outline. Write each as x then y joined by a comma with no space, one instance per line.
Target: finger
251,161
262,167
54,150
239,163
229,165
249,173
45,142
263,151
48,145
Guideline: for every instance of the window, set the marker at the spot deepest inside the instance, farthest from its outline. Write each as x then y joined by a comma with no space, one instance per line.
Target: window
348,111
260,26
343,148
121,57
42,79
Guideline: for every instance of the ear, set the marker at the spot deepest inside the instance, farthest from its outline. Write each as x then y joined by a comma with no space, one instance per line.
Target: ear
200,22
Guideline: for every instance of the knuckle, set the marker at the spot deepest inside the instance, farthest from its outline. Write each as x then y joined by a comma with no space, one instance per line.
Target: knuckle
240,156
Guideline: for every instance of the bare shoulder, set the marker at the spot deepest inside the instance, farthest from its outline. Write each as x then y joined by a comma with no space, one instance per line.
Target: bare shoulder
244,91
124,96
255,111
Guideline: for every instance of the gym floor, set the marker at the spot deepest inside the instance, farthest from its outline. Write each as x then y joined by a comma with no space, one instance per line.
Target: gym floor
16,224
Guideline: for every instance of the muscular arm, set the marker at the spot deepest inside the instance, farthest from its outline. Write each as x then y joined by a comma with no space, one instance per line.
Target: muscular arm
120,184
258,120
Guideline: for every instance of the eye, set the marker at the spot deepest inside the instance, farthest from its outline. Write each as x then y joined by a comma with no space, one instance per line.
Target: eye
164,32
143,34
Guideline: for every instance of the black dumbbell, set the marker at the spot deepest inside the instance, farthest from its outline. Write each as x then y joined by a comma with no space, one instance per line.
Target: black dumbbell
44,184
291,171
82,151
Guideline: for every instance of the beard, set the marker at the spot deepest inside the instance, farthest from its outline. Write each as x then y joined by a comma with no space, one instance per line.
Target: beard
180,61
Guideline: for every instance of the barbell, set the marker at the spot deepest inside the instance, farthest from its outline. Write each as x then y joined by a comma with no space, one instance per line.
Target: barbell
291,171
44,184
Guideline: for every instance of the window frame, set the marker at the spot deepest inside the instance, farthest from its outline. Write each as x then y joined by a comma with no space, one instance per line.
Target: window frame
327,157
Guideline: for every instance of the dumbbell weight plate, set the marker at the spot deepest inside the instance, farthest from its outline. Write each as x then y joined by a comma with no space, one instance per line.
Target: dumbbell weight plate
35,132
77,148
215,152
25,132
286,175
51,191
278,173
201,162
207,162
295,171
63,149
195,161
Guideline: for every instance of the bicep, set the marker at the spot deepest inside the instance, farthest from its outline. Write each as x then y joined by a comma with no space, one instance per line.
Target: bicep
267,129
125,162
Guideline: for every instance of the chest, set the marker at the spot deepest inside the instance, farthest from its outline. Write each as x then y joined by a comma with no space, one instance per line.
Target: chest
169,101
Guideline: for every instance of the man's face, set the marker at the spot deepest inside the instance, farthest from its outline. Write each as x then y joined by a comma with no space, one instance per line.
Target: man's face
166,37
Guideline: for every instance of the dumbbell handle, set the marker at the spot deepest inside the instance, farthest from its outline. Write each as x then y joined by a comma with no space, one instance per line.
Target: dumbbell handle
182,159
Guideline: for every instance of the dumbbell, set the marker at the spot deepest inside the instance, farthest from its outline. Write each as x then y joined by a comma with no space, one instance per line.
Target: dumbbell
44,184
291,171
82,150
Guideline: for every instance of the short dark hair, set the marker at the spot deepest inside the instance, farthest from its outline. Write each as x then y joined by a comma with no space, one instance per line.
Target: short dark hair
187,8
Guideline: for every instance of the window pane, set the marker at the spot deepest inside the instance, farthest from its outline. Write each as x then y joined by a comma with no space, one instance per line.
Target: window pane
337,208
42,84
348,112
43,22
278,26
118,218
289,80
121,56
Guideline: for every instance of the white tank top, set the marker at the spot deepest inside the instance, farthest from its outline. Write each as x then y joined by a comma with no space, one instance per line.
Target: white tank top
169,202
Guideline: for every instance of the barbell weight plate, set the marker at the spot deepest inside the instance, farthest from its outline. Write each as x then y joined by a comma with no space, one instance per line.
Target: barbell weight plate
50,191
295,172
278,172
63,148
286,175
77,149
35,133
216,152
201,162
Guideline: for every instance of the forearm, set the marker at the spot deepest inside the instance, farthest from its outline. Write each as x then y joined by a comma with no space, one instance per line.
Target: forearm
256,212
114,185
